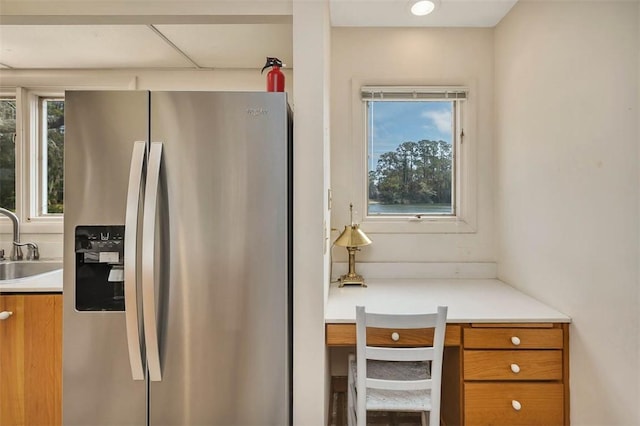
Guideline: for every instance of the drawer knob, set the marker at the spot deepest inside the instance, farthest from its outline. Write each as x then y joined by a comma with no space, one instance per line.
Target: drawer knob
516,405
515,340
395,336
515,368
5,314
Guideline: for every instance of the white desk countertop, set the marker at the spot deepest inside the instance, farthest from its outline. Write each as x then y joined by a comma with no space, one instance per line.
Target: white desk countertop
469,300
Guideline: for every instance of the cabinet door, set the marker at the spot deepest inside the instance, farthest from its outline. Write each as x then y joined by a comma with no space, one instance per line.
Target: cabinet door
513,404
31,360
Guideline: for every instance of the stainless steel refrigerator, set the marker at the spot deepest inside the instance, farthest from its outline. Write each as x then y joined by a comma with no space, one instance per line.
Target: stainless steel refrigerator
177,258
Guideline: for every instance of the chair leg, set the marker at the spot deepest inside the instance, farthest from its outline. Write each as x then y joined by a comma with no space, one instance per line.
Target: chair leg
423,418
337,393
331,396
340,388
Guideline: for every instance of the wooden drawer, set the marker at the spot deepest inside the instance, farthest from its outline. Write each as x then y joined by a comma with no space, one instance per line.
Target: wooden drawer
513,365
493,404
405,337
345,335
513,338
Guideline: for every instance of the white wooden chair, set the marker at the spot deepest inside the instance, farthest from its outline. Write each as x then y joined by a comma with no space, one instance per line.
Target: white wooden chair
394,378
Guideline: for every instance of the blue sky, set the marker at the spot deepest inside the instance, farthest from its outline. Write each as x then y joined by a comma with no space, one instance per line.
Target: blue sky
398,122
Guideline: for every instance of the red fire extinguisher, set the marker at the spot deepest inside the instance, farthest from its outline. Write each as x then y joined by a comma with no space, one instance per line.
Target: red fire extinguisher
275,77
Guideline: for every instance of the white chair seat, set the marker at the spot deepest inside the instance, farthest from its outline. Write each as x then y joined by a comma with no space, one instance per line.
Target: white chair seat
390,370
387,400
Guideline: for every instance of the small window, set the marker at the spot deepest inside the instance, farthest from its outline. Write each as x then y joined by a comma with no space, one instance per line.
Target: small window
412,144
51,144
8,153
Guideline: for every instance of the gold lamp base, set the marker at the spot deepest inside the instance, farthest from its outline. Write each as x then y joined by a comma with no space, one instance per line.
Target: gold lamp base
351,277
354,279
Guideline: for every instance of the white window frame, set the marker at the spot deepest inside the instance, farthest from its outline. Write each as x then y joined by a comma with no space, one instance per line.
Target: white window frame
38,144
464,219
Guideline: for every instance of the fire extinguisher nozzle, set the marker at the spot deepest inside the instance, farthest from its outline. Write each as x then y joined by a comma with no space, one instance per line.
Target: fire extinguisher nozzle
271,62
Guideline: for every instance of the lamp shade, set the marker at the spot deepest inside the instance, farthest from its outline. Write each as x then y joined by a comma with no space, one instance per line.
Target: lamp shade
352,236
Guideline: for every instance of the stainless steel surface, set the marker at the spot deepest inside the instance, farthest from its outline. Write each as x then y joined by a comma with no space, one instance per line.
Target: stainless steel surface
224,330
11,270
148,263
100,129
16,252
215,225
33,253
130,270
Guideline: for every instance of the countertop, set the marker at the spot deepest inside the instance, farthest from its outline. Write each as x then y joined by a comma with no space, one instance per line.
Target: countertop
469,300
50,282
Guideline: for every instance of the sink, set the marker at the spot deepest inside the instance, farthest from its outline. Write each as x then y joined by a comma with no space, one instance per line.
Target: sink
31,276
12,270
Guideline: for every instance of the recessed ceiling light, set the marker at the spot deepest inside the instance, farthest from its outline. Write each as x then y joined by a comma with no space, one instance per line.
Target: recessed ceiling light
423,7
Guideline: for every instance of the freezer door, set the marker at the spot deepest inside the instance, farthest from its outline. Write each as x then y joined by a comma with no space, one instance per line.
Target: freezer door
223,316
98,386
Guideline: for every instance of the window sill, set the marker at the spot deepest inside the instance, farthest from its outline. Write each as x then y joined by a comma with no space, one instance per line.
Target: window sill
35,226
413,225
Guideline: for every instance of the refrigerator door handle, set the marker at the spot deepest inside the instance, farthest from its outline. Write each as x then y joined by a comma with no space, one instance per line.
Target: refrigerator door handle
148,263
130,254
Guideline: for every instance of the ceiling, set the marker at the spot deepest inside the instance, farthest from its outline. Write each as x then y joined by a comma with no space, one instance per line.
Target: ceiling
186,34
144,46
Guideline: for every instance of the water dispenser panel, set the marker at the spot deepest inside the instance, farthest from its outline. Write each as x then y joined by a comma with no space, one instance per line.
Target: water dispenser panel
99,268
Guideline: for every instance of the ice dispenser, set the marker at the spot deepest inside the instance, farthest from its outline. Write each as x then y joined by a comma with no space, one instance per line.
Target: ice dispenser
99,268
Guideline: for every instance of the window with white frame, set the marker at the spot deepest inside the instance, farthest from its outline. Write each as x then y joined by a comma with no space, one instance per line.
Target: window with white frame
32,153
411,149
415,167
50,144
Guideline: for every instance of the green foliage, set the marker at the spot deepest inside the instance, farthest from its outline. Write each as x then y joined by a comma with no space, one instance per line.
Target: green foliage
415,173
55,156
7,154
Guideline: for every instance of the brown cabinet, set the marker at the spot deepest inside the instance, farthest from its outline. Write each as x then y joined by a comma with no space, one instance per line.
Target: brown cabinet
31,359
515,375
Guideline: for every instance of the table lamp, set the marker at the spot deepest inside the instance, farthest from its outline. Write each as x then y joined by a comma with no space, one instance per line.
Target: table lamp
352,238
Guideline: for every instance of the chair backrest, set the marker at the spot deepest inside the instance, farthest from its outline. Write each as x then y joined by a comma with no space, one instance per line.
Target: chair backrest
432,353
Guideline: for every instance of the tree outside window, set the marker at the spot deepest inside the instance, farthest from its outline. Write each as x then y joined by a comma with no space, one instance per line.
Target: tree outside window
410,158
7,153
53,110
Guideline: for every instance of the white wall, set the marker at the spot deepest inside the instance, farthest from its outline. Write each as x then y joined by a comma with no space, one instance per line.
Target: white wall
416,56
567,202
219,79
311,44
638,160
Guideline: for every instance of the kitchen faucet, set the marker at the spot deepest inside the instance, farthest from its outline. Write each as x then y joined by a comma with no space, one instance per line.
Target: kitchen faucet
16,249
